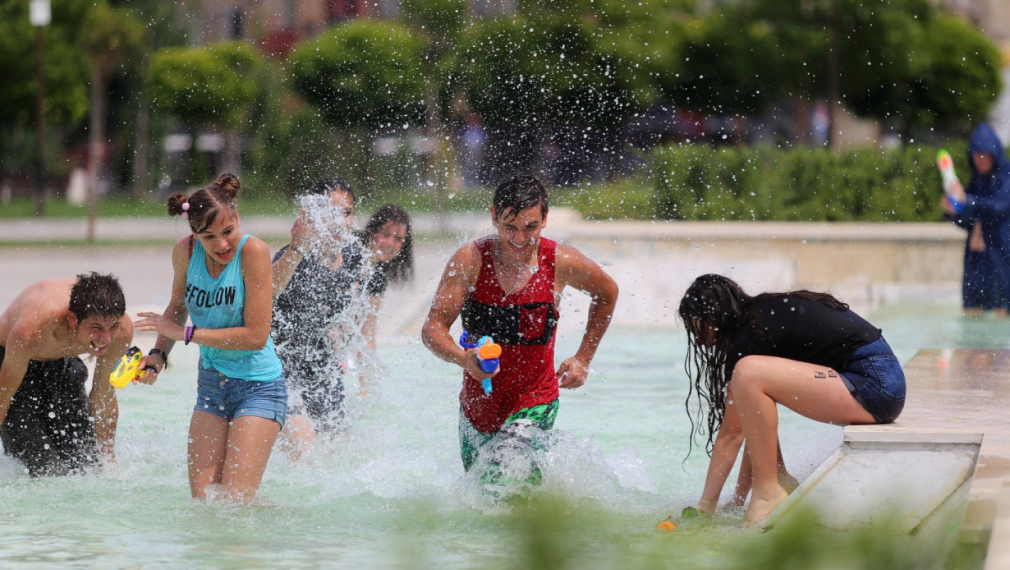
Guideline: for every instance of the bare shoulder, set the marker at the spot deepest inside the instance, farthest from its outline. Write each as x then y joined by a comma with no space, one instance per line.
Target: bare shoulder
181,248
466,260
182,244
568,257
255,247
36,313
576,269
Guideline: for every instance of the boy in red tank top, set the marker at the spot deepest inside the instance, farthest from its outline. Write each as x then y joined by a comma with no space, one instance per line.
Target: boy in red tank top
507,286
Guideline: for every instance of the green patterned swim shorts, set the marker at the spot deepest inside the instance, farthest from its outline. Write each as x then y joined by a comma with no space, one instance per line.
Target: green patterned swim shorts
508,458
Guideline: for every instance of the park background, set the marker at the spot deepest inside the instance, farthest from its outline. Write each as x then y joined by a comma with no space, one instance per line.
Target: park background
658,109
703,114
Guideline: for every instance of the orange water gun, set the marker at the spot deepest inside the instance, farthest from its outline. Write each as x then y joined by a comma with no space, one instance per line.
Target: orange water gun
488,354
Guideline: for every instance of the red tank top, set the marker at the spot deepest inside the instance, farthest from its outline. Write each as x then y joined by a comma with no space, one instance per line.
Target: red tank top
523,323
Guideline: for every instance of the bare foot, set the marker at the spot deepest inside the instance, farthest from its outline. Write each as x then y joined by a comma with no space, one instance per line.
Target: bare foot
788,482
761,506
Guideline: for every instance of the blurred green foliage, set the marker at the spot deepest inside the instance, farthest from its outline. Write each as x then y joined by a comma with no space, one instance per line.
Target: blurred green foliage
207,85
768,183
107,35
904,62
558,534
365,73
66,76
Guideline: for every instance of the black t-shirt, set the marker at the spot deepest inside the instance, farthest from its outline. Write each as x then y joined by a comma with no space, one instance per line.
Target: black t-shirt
306,310
800,329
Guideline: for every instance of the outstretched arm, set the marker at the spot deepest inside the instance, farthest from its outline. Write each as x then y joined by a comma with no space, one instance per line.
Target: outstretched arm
286,263
175,313
253,334
460,274
724,454
575,269
989,209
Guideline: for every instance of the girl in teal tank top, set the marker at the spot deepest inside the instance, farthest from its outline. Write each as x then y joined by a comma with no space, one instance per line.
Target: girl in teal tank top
224,283
219,304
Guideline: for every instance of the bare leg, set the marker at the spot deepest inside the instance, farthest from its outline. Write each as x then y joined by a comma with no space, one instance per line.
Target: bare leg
816,392
743,481
746,478
250,441
297,437
208,436
787,481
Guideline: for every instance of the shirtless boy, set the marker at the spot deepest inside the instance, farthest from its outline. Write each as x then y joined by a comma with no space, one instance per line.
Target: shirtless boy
48,419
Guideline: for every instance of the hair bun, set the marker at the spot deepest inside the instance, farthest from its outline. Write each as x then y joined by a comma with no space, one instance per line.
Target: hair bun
229,183
175,202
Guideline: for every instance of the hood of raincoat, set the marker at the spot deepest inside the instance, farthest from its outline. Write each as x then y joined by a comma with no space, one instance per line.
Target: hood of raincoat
984,139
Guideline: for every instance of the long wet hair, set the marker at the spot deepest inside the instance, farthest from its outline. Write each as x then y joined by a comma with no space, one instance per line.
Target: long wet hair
714,309
400,269
207,203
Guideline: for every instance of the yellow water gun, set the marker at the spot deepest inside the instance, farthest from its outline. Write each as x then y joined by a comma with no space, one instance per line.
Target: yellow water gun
128,368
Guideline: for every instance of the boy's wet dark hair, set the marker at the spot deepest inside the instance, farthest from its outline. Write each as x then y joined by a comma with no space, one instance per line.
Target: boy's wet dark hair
517,194
327,186
96,295
400,269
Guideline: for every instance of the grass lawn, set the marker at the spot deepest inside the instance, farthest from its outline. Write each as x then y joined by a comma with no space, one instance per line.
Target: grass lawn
619,200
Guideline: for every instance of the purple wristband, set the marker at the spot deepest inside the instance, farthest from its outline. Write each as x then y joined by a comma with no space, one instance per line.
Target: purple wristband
187,335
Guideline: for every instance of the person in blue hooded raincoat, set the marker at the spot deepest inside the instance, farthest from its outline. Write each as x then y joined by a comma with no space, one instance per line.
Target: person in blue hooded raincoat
985,214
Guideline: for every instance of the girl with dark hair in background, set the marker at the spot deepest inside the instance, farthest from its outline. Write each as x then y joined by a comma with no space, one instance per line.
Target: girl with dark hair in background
223,282
324,278
807,351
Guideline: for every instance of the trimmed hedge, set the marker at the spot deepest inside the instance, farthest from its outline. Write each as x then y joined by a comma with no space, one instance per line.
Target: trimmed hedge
768,183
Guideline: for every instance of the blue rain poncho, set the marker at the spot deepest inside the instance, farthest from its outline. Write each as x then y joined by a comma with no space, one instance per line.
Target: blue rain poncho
986,282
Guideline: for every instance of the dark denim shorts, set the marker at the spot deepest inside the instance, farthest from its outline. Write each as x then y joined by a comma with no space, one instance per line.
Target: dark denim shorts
874,377
233,398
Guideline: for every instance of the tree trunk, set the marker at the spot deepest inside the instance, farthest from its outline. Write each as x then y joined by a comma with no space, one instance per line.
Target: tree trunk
833,80
442,163
141,177
232,151
97,140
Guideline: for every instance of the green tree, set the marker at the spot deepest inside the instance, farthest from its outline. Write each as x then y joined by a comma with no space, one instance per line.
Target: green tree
950,76
107,34
365,73
883,60
210,85
363,77
439,24
66,75
579,67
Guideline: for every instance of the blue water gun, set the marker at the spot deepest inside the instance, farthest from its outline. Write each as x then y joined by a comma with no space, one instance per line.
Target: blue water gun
488,354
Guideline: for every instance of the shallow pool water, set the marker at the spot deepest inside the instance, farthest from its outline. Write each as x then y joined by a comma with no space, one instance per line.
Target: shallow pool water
391,491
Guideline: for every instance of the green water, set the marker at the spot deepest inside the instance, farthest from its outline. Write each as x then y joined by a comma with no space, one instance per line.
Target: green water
391,492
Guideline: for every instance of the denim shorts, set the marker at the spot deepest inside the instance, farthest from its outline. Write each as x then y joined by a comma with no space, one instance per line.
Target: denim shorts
874,377
233,398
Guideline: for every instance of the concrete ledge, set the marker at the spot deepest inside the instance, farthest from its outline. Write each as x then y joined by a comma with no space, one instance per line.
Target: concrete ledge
954,395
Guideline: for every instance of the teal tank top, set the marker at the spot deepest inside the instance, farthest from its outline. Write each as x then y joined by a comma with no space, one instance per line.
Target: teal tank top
220,304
